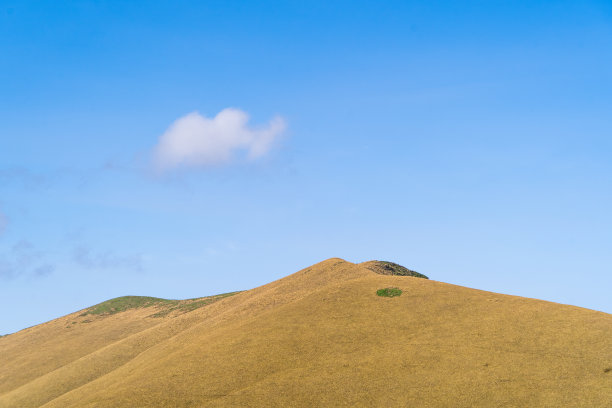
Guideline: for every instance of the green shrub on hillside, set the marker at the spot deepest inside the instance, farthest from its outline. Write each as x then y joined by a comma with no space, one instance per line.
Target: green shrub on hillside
389,292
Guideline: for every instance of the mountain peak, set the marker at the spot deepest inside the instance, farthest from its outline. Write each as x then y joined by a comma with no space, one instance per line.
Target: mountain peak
322,336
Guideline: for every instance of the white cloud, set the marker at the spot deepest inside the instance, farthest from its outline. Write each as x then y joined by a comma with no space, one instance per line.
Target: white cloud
197,141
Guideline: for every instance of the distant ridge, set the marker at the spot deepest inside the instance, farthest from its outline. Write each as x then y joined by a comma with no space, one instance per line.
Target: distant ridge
323,336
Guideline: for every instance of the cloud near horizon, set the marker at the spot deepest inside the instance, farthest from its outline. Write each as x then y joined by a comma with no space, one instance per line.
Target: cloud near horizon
197,141
24,259
89,259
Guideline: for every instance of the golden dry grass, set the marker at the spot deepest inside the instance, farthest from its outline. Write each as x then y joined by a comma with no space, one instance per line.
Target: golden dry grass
321,337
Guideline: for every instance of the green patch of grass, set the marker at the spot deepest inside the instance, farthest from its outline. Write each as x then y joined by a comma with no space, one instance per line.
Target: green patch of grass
163,306
123,303
389,292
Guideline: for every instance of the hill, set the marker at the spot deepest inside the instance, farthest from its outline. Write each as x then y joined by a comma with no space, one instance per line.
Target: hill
320,337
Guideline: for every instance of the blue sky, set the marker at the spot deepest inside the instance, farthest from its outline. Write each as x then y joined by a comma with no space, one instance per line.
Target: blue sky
470,141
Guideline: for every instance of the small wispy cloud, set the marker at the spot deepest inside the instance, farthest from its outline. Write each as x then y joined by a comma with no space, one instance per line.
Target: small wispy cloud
197,141
89,259
43,270
24,259
26,178
25,254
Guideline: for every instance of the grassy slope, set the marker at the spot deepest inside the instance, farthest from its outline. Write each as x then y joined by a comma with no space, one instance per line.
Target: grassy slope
42,362
322,337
